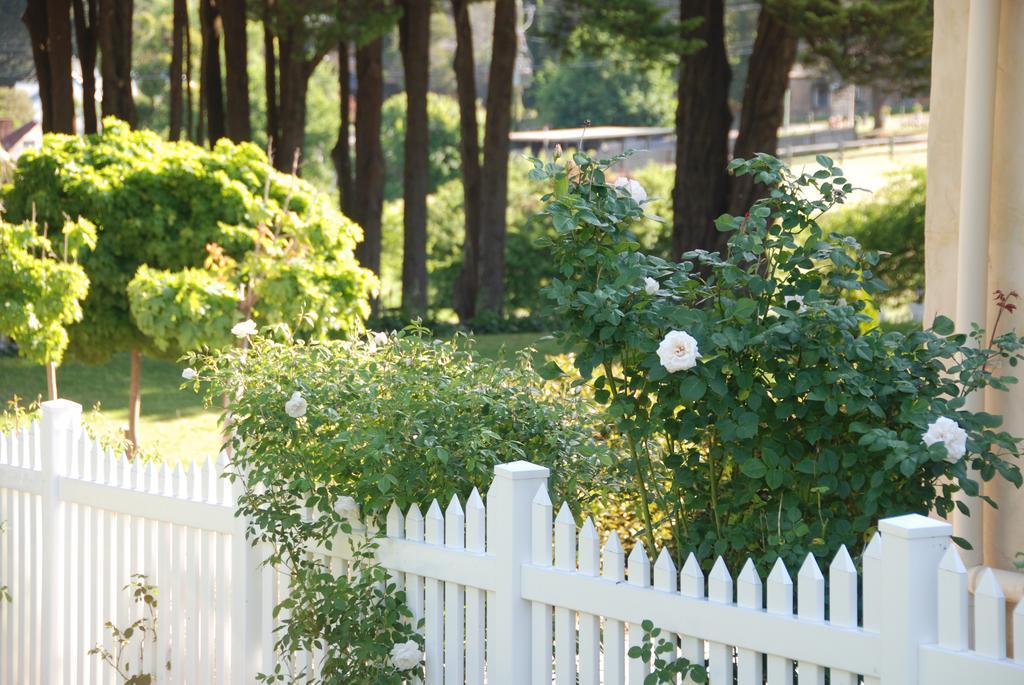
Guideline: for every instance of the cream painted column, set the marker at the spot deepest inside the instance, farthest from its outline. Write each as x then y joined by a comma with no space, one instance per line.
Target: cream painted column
975,203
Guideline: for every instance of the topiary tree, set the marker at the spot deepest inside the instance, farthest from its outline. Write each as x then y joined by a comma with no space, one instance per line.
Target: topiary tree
214,229
41,292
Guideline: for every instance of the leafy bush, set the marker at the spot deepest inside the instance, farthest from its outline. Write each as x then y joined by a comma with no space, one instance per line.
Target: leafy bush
444,135
891,222
177,206
41,293
760,420
399,418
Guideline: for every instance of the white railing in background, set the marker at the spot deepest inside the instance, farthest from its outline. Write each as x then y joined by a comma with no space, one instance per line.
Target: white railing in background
510,593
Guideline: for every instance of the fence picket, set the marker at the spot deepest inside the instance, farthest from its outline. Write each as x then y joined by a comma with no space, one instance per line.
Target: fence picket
476,522
666,579
454,599
540,614
780,601
1018,633
989,617
691,584
952,610
810,604
872,584
749,594
842,603
590,625
414,585
614,632
565,620
639,575
434,602
720,664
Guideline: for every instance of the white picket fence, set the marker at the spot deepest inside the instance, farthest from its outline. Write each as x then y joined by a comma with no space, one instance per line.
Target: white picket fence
510,594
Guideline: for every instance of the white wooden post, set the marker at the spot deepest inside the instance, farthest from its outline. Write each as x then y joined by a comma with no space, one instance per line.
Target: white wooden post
509,519
62,420
247,616
912,547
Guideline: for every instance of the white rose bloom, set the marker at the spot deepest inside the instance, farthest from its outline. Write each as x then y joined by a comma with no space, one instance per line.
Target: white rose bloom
347,508
799,299
296,406
948,432
406,655
188,374
380,339
244,329
33,321
633,187
678,351
651,286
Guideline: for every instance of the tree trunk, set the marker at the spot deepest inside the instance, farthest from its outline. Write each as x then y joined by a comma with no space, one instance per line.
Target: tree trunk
270,77
49,27
494,174
369,153
341,153
211,86
235,61
51,380
85,36
34,19
294,80
878,98
764,96
178,29
134,403
116,64
467,282
702,133
414,38
190,132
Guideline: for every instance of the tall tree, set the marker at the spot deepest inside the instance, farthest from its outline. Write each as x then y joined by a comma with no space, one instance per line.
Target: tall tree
86,29
467,283
494,173
236,53
369,181
115,38
270,73
49,27
211,89
179,29
341,153
414,43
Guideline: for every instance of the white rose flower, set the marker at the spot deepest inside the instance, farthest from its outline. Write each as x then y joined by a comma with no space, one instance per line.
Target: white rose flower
33,321
188,374
244,329
678,351
296,406
651,286
948,432
406,655
380,339
799,299
347,508
633,187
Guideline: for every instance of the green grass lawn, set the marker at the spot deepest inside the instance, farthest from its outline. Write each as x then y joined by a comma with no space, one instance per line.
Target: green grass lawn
175,424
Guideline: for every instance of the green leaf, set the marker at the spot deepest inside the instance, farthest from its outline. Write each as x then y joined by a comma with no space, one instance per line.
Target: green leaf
943,325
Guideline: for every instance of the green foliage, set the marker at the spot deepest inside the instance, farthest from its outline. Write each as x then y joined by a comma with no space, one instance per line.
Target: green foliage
406,420
355,620
667,667
41,293
443,130
608,90
331,427
794,430
891,222
128,670
176,206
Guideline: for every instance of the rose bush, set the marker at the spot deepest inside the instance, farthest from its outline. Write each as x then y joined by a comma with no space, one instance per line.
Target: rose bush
761,414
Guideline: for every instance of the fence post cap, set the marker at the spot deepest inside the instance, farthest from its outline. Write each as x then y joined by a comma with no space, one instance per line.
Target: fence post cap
61,406
914,527
520,470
